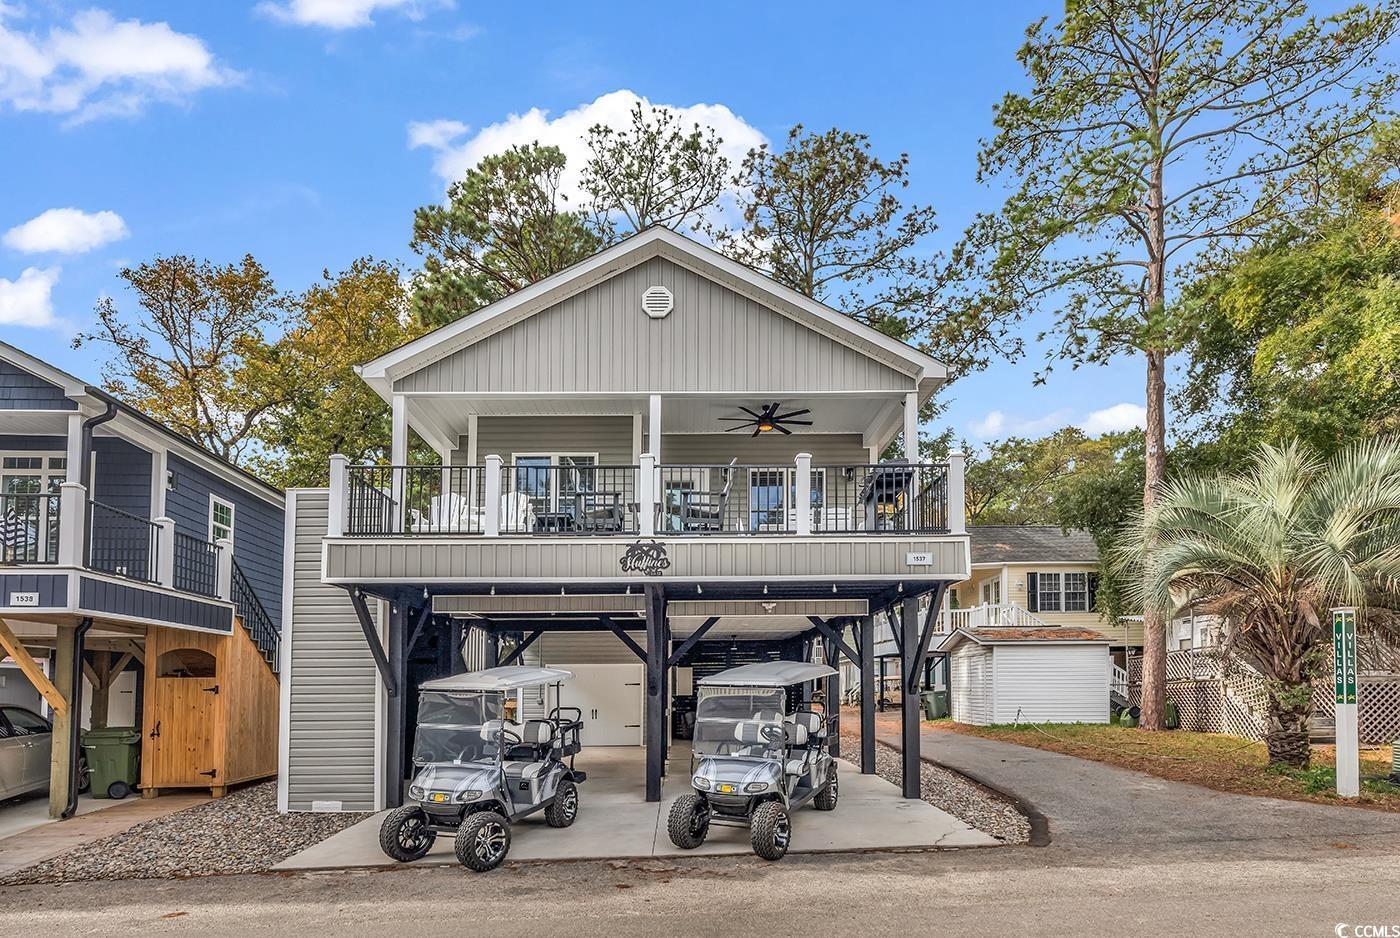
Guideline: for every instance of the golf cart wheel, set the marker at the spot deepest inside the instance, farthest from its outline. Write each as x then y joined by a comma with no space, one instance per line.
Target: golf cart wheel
770,829
689,821
404,835
483,841
118,790
564,808
826,798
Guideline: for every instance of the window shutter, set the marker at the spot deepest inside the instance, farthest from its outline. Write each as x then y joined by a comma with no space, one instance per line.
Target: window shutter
1032,594
1093,592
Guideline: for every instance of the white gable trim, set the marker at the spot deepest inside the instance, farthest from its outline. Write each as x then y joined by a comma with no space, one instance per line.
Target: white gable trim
381,372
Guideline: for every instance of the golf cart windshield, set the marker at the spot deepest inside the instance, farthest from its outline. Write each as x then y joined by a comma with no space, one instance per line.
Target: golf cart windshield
449,726
739,721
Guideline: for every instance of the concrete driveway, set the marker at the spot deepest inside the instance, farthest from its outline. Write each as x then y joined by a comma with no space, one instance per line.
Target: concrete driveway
1090,805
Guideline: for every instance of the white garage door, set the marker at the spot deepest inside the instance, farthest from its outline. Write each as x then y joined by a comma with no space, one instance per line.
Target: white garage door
611,698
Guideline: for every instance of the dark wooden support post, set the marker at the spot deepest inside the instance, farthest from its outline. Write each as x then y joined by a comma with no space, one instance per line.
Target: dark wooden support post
376,650
657,652
396,713
909,701
493,645
807,686
867,694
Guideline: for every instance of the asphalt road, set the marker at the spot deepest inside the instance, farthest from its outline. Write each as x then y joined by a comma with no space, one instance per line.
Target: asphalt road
1127,857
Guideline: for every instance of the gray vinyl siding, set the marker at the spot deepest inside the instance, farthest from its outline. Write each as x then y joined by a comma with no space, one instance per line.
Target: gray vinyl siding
123,476
599,340
561,648
331,719
598,558
610,437
257,526
20,390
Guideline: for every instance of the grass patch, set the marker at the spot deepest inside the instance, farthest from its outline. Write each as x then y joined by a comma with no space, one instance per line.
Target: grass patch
1212,760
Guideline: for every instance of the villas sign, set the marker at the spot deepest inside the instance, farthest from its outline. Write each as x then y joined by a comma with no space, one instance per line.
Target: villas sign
645,557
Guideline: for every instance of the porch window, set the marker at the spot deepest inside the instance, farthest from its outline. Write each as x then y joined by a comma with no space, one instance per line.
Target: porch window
773,498
29,490
552,481
1048,588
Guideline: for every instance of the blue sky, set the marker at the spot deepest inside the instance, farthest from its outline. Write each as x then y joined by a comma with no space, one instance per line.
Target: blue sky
285,129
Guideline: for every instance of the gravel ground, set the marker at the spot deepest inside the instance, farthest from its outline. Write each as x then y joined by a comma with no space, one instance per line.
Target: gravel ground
241,833
951,792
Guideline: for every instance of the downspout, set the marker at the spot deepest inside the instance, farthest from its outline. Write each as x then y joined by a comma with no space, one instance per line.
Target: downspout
75,706
85,470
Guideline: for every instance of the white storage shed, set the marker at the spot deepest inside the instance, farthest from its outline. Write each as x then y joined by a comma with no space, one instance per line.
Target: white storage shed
1053,674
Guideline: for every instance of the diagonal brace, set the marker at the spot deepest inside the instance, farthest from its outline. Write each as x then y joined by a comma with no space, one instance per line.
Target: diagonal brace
835,636
627,640
519,649
689,643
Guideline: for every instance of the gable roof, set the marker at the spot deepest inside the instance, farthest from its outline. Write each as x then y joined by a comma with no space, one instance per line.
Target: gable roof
77,390
1030,543
1046,635
380,373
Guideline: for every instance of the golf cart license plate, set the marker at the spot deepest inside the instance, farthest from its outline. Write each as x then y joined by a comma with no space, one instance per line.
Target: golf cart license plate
726,789
438,797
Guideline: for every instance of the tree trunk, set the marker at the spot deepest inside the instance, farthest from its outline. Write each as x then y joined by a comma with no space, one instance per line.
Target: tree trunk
1287,738
1154,624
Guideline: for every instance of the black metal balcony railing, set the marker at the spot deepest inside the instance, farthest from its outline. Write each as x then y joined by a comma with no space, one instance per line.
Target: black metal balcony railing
121,543
574,498
29,529
196,565
254,616
580,498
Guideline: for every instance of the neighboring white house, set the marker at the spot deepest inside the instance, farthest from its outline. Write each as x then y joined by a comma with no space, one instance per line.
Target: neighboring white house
1056,674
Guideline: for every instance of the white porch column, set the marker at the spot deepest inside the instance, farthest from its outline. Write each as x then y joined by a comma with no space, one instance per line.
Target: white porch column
165,551
223,581
957,504
654,426
491,518
338,502
911,426
646,495
398,460
74,447
160,464
802,497
72,523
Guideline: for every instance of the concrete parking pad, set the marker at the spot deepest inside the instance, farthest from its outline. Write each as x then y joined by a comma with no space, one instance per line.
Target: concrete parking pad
51,838
615,821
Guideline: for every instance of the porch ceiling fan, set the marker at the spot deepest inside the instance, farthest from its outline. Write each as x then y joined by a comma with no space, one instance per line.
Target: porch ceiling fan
769,420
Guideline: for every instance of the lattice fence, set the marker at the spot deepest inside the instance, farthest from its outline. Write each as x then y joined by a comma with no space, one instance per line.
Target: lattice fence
1216,694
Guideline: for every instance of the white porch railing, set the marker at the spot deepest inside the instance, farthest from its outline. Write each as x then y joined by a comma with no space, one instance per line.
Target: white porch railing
1118,681
990,615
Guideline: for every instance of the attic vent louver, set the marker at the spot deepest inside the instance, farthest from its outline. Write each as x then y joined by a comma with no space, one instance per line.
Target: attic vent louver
657,302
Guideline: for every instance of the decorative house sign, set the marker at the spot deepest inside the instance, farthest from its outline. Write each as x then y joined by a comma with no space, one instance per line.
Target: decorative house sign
657,302
645,557
24,599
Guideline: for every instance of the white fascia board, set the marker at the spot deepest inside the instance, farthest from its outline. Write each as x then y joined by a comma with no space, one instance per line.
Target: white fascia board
71,386
382,371
135,431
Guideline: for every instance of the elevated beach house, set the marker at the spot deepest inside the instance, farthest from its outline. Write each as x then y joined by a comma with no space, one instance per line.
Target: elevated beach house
140,585
651,466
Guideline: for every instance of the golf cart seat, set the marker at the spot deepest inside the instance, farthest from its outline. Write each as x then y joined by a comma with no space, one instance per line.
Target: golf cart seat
521,771
810,722
537,738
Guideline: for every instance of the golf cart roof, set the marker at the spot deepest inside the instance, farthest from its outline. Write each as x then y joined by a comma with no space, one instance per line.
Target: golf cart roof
503,679
768,674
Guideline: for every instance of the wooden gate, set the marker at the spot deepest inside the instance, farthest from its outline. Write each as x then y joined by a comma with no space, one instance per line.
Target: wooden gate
182,744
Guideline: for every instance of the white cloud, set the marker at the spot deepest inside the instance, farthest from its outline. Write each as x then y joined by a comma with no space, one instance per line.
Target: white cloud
98,66
66,231
28,301
569,131
436,135
345,14
1114,419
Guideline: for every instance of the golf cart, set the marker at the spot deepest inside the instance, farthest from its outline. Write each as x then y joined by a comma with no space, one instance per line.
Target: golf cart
754,761
475,772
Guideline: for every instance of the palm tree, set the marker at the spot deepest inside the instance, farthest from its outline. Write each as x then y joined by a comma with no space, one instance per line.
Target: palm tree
1270,548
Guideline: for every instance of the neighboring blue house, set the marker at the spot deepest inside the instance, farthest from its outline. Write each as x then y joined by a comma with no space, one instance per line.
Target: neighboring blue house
112,525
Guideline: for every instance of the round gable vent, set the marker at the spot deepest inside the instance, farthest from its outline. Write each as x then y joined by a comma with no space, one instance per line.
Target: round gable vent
657,302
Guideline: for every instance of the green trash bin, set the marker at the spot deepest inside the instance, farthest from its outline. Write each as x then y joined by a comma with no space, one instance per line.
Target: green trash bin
111,757
935,704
